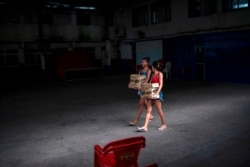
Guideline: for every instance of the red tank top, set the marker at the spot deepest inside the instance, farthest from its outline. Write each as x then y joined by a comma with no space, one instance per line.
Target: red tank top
155,78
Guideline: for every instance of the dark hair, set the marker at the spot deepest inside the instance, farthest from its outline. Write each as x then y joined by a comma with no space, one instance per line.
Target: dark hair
146,58
158,65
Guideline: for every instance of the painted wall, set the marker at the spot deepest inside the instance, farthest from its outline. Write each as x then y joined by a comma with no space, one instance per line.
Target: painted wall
226,56
223,37
180,52
151,49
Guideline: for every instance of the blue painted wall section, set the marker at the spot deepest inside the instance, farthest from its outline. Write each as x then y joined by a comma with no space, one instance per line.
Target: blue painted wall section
226,56
180,52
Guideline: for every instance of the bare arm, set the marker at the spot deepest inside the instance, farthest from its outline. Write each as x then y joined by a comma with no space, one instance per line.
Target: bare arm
148,76
139,72
160,82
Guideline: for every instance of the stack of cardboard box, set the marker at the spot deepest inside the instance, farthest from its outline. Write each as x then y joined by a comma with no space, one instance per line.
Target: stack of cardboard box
149,90
136,80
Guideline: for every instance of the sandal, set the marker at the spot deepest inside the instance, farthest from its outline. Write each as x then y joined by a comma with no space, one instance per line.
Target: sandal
162,127
133,123
142,129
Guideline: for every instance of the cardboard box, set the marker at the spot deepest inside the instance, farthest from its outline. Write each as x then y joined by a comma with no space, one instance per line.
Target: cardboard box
149,85
149,90
136,80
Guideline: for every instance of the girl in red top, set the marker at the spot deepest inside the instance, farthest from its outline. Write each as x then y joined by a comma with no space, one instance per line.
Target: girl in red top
157,77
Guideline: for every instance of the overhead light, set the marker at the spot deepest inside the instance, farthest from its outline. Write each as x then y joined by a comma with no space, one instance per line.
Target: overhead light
84,7
57,5
241,5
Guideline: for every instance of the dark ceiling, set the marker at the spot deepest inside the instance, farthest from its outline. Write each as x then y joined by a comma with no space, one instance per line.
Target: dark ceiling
103,5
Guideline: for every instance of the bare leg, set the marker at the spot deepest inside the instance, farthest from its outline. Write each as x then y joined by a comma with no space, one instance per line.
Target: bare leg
142,102
148,115
161,114
145,106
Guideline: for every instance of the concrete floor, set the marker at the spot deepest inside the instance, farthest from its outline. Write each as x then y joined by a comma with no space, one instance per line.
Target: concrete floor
57,124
